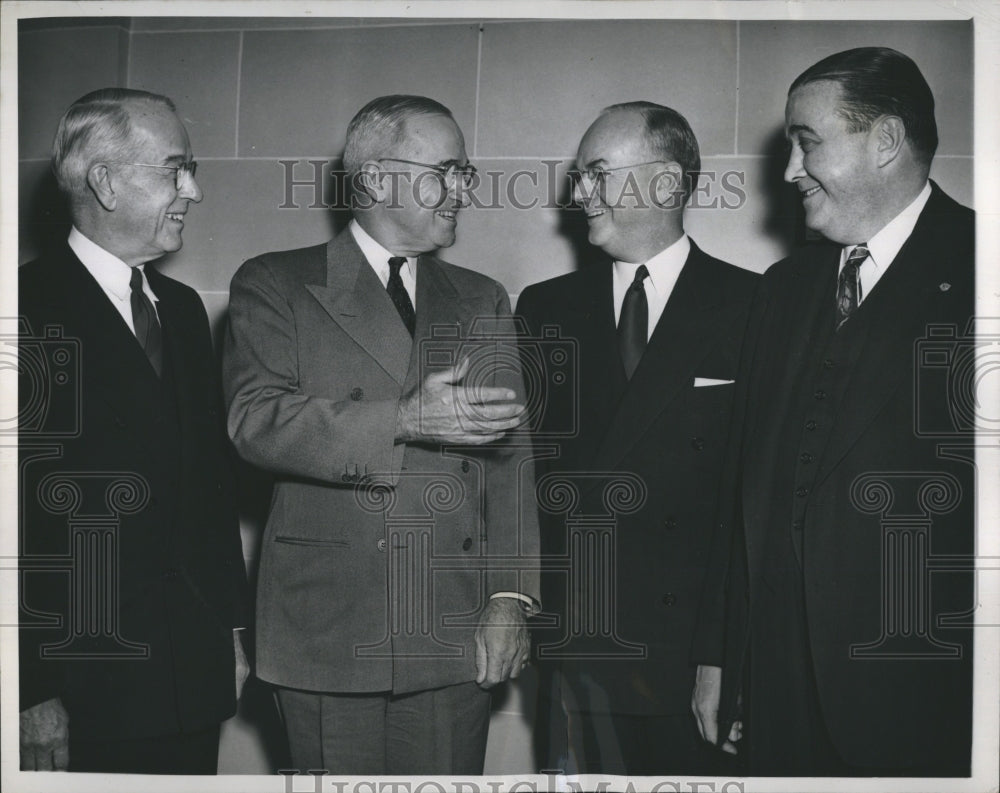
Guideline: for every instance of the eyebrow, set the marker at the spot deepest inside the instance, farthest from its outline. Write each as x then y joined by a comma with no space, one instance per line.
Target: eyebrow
175,159
800,128
598,161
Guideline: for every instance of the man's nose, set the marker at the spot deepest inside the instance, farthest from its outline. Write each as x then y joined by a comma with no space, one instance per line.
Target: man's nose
190,190
794,170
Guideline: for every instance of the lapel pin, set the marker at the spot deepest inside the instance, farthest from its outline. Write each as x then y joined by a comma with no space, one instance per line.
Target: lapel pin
944,287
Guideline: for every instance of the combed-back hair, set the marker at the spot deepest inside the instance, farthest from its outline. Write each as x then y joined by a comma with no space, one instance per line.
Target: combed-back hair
380,126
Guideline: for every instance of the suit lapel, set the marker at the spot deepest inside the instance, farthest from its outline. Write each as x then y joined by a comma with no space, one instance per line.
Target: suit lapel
355,299
899,306
113,363
688,328
440,308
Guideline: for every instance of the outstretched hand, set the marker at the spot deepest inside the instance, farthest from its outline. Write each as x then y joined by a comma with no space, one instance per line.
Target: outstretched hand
443,410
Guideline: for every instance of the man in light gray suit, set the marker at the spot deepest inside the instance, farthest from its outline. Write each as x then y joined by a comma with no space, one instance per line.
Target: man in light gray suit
378,384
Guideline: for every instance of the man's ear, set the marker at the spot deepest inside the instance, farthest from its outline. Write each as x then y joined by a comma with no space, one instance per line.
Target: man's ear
667,187
889,135
99,182
368,180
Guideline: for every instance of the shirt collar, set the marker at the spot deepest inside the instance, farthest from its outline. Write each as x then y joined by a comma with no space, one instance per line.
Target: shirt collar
377,256
883,247
108,270
663,267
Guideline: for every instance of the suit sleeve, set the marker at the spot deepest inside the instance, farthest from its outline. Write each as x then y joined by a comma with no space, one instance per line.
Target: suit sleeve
511,510
274,424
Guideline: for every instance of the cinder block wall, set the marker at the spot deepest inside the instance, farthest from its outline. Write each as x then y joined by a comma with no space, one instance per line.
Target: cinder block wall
263,97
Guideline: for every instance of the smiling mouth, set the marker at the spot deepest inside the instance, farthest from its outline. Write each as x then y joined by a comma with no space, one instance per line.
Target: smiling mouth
596,213
448,214
177,217
811,191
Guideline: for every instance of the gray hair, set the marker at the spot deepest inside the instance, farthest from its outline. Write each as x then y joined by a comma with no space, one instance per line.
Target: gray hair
669,136
96,128
379,127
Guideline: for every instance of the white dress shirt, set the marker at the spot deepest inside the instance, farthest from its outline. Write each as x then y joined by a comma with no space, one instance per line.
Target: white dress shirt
111,273
378,257
883,247
664,268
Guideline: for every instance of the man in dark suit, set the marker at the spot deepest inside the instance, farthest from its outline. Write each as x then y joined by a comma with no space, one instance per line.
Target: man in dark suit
133,584
854,658
377,383
657,330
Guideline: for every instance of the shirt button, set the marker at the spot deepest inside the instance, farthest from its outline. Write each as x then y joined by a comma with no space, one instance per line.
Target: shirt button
801,491
465,466
820,395
358,394
806,457
381,545
810,425
669,599
697,444
467,544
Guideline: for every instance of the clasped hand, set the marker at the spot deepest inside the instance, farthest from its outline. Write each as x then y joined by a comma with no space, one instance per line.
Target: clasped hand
443,409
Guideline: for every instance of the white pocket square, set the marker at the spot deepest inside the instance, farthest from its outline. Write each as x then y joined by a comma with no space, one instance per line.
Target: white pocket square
703,381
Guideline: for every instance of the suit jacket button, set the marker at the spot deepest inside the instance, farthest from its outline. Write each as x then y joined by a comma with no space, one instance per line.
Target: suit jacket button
467,544
806,457
170,574
801,491
820,395
669,599
381,545
670,523
465,466
828,363
697,444
358,394
797,525
810,425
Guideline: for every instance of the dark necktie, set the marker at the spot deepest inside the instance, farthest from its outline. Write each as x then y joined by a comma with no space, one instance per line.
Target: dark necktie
147,327
399,296
633,323
849,284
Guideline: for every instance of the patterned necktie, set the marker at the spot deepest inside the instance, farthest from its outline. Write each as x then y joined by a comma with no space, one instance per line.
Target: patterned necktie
399,296
147,327
633,323
849,285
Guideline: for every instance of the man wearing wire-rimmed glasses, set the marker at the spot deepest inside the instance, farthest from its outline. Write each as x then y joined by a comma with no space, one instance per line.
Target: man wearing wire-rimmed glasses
133,587
396,566
658,327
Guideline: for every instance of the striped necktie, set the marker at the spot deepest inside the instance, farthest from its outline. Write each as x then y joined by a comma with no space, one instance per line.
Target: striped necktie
849,284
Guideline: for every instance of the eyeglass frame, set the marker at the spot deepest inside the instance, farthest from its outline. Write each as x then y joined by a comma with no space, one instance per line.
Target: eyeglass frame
189,168
598,175
468,171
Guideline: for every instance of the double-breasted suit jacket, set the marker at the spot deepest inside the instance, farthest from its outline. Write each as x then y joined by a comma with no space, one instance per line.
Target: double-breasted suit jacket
377,555
132,574
662,435
855,455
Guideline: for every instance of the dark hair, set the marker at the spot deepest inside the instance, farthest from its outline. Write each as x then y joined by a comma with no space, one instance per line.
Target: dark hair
670,136
379,126
95,127
875,82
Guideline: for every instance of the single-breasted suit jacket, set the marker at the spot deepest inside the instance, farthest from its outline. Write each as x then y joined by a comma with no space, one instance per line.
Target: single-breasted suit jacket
661,436
377,556
132,574
894,461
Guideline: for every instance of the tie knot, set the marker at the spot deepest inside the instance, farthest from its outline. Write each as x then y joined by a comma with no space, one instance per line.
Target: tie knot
641,274
395,263
135,280
857,256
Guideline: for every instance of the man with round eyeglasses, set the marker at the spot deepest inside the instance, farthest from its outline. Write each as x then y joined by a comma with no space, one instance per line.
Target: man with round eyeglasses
133,584
374,380
657,327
